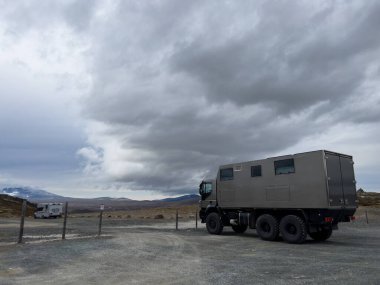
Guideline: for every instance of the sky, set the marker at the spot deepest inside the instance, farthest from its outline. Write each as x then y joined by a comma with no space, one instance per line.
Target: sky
144,99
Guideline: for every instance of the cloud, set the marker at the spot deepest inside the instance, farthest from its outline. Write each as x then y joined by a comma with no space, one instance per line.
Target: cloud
154,95
181,88
42,75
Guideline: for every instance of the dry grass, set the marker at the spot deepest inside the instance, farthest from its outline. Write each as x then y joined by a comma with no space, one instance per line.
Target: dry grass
11,207
184,212
369,199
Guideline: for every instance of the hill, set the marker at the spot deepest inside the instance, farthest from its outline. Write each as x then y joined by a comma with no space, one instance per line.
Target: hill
11,206
78,205
368,198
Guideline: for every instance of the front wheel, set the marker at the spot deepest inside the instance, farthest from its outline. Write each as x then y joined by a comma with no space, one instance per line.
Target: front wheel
240,228
321,235
214,224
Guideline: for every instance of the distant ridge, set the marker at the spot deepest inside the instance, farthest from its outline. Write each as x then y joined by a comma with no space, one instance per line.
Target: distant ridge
182,198
93,204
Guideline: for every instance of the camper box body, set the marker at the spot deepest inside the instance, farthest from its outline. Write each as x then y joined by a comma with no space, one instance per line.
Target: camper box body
48,210
318,179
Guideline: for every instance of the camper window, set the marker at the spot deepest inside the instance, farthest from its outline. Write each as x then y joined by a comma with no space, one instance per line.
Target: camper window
284,166
226,174
255,170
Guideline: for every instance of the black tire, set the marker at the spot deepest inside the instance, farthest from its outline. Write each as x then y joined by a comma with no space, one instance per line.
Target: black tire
321,235
240,228
214,224
293,229
267,227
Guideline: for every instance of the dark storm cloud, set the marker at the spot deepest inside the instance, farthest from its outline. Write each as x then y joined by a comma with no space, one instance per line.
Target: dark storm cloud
286,62
181,88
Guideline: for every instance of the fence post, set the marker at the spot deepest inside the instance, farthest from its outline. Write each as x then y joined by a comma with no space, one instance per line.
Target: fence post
65,221
100,220
196,220
23,211
176,220
366,216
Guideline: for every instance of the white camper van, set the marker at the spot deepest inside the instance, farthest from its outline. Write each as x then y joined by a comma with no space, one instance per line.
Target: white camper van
48,210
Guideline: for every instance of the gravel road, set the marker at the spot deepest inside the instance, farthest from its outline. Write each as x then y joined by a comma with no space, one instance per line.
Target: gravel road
153,252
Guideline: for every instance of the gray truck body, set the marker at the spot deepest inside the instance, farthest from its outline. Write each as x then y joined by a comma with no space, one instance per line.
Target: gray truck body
315,183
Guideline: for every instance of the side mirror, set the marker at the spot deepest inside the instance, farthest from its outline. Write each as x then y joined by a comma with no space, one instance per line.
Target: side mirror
201,188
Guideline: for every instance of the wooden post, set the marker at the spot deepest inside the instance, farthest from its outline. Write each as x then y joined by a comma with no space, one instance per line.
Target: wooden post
23,211
366,216
196,220
100,222
65,221
176,220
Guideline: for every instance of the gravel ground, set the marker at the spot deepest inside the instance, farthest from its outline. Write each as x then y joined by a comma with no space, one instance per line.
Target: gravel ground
153,252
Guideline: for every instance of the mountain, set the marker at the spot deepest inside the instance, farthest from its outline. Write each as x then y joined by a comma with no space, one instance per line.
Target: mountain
192,197
115,199
93,204
30,194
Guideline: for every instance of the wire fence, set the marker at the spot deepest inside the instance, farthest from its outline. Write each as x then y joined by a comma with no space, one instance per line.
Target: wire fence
101,224
86,225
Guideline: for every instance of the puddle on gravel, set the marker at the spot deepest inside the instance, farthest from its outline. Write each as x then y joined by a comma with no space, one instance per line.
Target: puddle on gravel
11,271
43,239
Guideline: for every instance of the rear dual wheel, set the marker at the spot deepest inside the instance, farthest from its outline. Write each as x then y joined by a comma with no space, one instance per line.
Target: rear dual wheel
293,229
267,227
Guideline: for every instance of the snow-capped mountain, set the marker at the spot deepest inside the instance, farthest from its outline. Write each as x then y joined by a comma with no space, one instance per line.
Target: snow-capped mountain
30,194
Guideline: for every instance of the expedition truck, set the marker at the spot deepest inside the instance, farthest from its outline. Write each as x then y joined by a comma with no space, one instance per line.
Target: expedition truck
48,210
292,196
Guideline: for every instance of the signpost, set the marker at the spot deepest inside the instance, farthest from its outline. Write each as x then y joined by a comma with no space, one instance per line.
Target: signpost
64,221
176,220
196,220
23,211
100,219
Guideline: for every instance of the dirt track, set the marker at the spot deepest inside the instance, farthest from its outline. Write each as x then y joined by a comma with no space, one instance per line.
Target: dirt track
154,253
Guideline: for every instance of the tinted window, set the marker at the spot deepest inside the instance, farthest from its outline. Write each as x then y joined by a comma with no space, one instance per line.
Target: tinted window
226,174
284,166
255,170
207,188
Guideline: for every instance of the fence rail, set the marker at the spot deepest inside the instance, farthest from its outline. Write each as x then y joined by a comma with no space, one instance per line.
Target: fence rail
49,227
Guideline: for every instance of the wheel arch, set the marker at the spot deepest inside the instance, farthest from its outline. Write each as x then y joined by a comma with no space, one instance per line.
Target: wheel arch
280,213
